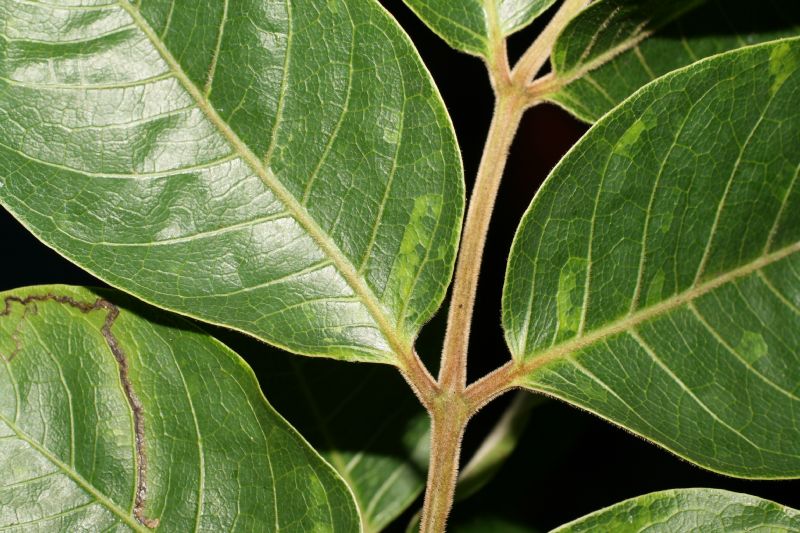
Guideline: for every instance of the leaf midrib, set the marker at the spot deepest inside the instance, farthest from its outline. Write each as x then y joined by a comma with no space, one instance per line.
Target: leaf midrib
345,267
532,362
493,29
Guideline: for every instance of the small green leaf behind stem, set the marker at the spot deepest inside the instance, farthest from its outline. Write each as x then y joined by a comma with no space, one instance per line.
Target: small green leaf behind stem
648,39
498,445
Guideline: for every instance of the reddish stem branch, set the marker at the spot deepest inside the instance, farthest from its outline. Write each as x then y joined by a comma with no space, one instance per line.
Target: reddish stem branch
508,111
451,404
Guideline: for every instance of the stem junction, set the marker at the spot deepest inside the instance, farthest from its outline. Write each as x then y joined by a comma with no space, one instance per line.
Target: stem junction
448,400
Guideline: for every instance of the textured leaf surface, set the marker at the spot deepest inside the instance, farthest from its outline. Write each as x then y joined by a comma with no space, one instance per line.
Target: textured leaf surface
615,47
283,168
471,25
110,420
707,510
655,279
364,420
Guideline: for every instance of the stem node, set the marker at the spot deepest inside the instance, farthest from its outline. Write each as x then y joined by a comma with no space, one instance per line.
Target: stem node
448,400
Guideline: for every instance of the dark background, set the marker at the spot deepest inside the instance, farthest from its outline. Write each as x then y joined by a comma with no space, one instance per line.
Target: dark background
568,462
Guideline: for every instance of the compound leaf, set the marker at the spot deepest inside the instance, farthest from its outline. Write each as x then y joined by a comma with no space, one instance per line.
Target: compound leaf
708,510
655,279
472,25
614,47
283,168
114,416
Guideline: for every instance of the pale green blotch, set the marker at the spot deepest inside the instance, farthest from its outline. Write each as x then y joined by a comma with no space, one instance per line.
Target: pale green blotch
392,121
591,390
783,61
665,222
413,246
391,136
655,289
631,136
318,494
569,297
752,347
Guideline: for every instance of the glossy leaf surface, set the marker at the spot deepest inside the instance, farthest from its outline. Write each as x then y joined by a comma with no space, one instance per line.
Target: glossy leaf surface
615,47
707,510
114,416
655,279
471,25
363,420
286,169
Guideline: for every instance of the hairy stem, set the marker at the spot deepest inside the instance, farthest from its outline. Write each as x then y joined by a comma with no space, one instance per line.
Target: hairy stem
449,412
451,403
507,114
447,429
491,386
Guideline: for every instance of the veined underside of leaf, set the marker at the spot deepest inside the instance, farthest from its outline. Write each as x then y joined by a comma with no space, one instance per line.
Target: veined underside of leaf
115,417
655,279
283,168
472,25
615,47
707,510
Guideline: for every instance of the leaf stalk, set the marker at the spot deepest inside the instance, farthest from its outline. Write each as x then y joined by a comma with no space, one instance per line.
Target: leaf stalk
447,430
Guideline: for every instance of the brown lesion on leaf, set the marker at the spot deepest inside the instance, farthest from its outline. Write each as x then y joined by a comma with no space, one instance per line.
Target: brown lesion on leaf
112,312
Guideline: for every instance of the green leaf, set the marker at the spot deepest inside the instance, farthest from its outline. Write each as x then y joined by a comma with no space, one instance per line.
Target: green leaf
283,168
472,25
115,416
363,420
707,510
615,47
655,279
